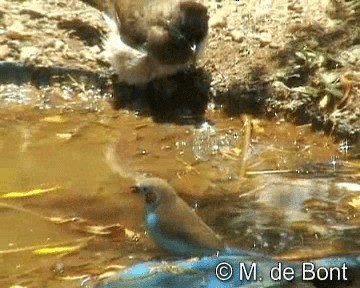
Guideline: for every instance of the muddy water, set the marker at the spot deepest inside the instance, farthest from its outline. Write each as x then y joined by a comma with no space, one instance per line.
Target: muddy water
297,199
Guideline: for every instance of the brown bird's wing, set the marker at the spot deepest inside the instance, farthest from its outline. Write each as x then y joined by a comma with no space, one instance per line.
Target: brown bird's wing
136,18
187,226
97,4
154,26
126,5
133,17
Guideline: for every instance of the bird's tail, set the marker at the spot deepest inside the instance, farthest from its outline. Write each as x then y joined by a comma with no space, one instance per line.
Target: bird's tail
232,251
351,261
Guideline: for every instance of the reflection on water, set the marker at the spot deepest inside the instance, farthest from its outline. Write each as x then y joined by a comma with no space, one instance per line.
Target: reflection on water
291,203
288,214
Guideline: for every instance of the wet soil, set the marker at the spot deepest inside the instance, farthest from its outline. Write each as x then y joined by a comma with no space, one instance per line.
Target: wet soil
296,60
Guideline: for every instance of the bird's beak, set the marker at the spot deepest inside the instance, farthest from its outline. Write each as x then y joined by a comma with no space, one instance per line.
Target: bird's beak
134,189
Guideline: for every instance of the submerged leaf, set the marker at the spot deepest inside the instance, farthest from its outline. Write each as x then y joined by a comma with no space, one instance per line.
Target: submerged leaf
324,101
113,229
355,202
60,220
29,193
53,119
56,250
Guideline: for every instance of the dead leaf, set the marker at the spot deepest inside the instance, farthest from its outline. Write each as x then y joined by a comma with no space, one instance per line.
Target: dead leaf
30,193
57,250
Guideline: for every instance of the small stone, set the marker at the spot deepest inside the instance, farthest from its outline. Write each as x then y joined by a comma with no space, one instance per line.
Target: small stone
265,39
59,45
53,119
32,13
218,21
16,27
48,43
95,49
59,268
4,51
237,36
28,53
212,45
274,45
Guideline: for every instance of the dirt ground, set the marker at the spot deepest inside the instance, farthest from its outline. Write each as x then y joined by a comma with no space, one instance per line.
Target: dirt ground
292,59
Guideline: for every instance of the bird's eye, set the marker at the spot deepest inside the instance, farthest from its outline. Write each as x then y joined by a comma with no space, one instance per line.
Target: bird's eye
150,197
145,190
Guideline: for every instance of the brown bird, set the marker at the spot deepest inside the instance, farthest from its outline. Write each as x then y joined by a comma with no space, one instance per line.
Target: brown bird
172,224
151,38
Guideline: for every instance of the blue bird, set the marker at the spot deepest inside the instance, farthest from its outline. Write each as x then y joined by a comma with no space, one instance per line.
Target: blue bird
172,224
175,227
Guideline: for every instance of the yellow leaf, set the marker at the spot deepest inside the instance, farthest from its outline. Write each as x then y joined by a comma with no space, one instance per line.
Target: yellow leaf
236,151
28,193
355,202
64,136
324,101
53,119
56,250
59,220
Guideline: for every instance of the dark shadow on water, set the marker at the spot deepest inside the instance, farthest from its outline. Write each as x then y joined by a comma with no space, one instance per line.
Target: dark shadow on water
181,98
41,76
248,95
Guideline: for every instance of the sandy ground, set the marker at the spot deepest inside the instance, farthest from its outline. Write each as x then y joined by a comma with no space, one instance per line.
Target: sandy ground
297,60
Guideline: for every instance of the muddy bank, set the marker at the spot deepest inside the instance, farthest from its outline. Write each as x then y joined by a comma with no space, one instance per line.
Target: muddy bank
281,59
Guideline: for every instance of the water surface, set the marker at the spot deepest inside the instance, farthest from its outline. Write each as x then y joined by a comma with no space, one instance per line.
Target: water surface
297,199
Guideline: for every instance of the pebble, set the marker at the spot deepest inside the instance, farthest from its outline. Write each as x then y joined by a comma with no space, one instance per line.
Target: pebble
212,45
95,49
218,21
237,36
4,51
59,45
265,38
274,45
28,53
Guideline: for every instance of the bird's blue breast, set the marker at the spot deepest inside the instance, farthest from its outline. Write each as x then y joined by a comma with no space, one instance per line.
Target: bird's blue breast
170,242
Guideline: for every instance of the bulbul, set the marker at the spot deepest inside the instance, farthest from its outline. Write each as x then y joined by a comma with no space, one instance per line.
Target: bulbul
152,39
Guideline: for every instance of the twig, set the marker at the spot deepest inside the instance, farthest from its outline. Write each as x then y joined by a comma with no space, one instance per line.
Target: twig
246,145
30,248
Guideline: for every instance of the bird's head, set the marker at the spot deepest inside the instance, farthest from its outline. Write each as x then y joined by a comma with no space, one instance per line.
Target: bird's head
182,37
155,190
193,22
